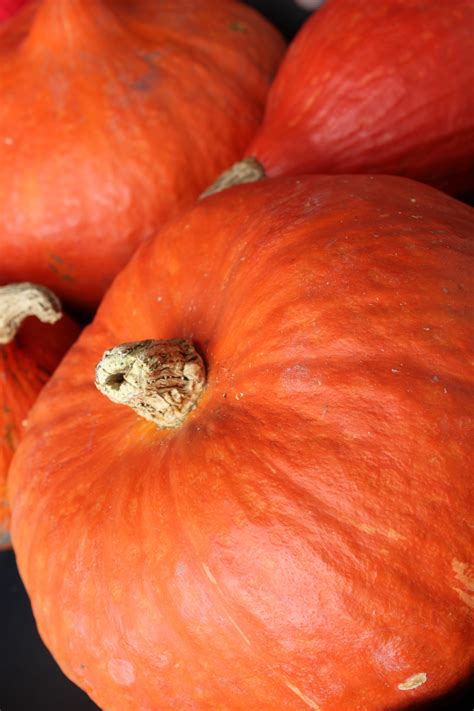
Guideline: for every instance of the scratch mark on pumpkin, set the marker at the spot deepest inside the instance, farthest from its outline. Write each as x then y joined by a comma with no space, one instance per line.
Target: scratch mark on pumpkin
209,574
372,530
272,468
463,573
244,636
309,702
121,671
465,597
413,682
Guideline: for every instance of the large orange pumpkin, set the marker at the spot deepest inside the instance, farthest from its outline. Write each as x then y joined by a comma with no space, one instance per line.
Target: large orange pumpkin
113,114
300,534
371,86
34,336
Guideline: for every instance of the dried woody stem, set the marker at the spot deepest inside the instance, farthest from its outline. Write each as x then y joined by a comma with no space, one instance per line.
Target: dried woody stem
18,301
161,380
248,170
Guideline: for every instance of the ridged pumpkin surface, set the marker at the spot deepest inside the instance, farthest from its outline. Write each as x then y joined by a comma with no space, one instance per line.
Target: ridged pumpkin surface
382,87
113,115
303,540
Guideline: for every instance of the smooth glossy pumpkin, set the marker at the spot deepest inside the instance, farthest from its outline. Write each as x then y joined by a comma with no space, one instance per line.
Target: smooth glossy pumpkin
303,538
114,113
34,336
383,87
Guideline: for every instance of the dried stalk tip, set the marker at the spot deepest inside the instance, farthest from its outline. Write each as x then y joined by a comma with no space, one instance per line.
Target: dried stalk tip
248,170
161,380
18,301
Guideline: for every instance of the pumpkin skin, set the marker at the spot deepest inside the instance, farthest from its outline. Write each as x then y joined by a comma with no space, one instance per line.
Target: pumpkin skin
381,87
114,114
8,8
26,363
303,539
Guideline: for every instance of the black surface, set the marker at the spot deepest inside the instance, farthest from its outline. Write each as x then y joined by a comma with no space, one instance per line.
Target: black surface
284,14
30,679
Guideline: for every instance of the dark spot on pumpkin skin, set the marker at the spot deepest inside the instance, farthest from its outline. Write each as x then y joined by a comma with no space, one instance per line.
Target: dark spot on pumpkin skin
148,79
8,436
237,26
56,270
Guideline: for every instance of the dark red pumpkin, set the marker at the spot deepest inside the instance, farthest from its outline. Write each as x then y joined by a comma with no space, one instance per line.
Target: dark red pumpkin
303,539
370,86
115,113
34,336
9,8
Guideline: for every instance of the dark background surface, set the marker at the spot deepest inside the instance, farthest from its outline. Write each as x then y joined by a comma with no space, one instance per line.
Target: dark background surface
30,680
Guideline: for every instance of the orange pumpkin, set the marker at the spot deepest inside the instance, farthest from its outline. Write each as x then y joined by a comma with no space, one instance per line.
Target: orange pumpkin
298,535
30,350
113,115
383,87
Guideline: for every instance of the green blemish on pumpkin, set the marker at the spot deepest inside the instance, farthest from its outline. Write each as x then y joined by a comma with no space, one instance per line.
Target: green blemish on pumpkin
8,436
56,270
237,26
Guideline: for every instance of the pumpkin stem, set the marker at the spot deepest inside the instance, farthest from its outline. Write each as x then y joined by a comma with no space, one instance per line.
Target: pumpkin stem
161,380
248,170
18,301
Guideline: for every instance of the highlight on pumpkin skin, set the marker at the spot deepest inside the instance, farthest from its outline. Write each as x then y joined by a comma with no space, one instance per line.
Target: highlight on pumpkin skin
161,380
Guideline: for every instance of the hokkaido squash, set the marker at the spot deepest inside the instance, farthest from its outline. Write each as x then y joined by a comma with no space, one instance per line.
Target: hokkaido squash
34,335
383,87
298,535
113,115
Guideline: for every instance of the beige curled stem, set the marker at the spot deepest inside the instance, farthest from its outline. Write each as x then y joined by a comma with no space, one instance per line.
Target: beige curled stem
161,380
248,170
18,301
